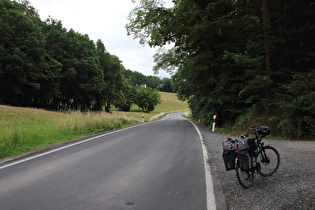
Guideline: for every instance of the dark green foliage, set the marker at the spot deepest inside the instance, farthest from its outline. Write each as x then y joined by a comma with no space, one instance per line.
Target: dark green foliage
219,54
138,79
24,61
144,97
130,98
135,78
115,86
166,85
297,103
147,98
44,65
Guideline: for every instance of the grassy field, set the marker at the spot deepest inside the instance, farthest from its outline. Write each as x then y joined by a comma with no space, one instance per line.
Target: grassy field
26,129
169,104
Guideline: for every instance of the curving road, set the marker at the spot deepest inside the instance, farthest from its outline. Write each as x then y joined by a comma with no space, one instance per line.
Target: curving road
157,165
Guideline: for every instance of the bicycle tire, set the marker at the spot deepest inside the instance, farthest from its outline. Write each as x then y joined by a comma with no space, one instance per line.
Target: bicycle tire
245,178
270,163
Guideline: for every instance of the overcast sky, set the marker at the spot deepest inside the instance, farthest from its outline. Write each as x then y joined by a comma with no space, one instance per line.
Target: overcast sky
105,20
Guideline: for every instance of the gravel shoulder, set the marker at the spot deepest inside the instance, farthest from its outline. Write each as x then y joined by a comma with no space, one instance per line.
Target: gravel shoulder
291,187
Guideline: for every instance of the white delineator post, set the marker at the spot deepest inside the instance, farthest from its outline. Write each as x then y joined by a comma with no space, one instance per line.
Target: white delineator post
213,125
142,118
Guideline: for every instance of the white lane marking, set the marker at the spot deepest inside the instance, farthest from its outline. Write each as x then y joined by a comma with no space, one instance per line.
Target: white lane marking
74,144
209,185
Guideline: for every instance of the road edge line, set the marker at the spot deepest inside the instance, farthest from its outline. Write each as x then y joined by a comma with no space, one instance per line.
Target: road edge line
211,204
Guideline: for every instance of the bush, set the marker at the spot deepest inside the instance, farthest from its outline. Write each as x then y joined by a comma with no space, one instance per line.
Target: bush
147,98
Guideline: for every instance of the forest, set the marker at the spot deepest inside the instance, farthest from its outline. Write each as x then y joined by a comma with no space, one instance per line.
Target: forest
44,65
246,61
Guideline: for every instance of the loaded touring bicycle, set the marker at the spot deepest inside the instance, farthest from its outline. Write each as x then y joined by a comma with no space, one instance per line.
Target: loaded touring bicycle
249,156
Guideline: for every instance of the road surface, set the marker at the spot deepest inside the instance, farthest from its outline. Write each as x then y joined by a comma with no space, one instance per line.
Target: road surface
156,165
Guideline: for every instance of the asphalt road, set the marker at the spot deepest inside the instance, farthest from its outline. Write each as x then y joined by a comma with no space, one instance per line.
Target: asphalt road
157,165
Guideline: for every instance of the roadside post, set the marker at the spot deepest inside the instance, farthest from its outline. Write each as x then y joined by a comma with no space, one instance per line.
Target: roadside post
213,125
142,118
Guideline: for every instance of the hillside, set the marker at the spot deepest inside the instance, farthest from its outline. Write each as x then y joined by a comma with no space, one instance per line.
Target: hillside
170,103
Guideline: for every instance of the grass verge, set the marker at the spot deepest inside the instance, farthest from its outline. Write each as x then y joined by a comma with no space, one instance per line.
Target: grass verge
26,129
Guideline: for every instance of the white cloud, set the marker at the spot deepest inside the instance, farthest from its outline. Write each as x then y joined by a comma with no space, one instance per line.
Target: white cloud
105,20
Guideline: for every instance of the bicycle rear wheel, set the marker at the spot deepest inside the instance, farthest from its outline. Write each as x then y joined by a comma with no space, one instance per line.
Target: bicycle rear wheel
269,159
245,177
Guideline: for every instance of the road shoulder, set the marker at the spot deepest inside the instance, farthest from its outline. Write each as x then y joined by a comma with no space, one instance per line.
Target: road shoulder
291,187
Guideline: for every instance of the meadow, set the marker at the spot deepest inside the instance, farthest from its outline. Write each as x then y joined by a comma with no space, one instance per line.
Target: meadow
26,129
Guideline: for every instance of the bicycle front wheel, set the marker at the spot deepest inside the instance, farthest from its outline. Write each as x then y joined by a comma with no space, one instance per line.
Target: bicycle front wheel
244,177
269,159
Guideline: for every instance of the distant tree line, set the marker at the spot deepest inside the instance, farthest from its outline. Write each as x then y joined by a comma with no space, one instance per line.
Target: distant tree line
245,61
44,65
138,79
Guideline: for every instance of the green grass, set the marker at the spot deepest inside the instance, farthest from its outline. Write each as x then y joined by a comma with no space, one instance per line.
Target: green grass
26,129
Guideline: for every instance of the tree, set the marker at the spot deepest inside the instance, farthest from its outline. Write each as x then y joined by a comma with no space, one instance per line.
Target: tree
153,82
267,55
80,79
297,103
166,85
130,99
292,26
24,63
202,33
135,78
116,85
219,52
147,98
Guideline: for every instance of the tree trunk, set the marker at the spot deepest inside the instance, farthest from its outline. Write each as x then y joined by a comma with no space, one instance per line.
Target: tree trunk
267,57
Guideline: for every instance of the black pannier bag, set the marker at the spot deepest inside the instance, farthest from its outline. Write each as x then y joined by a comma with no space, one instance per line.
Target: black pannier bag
247,160
229,147
229,159
247,147
251,144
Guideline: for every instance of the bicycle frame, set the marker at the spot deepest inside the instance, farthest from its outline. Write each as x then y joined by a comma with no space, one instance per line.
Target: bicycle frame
261,147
